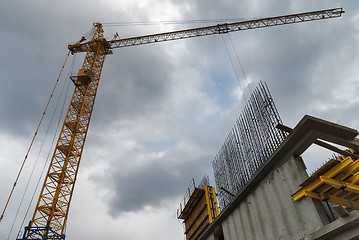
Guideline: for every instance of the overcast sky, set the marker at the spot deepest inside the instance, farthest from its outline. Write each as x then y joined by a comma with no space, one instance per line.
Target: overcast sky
162,110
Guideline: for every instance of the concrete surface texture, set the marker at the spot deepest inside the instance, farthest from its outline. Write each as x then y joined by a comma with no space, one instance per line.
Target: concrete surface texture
268,212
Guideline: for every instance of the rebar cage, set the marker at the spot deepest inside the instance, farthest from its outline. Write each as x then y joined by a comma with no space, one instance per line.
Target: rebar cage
251,141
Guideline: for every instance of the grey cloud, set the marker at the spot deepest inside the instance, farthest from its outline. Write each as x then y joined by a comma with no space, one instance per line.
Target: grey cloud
157,179
135,83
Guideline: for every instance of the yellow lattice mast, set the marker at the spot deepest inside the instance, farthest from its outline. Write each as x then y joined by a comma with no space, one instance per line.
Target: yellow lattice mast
50,216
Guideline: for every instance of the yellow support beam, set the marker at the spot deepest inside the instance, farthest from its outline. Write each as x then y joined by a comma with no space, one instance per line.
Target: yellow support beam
329,174
314,195
341,184
331,198
354,179
337,185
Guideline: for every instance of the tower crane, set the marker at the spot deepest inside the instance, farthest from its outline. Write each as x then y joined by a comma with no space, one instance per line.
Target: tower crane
51,212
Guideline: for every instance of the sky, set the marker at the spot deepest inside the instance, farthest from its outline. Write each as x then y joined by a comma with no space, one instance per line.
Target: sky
163,110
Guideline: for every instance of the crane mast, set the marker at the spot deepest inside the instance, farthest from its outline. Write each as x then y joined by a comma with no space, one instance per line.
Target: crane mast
50,216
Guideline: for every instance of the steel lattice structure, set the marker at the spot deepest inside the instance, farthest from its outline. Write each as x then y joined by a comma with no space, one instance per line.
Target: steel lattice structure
49,219
252,140
217,29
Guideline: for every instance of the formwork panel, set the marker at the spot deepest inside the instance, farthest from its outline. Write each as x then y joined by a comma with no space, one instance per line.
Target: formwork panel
199,210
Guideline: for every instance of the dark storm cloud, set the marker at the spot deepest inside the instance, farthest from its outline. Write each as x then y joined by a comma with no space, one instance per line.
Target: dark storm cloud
148,175
135,83
148,185
34,37
154,181
32,51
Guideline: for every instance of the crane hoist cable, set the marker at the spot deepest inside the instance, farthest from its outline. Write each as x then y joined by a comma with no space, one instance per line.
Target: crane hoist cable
48,156
234,69
177,22
65,85
33,139
240,64
53,139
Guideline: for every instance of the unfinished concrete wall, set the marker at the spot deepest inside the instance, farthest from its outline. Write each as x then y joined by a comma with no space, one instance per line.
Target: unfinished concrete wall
264,208
268,212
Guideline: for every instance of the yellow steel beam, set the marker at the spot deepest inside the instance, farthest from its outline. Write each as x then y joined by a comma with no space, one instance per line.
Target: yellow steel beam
344,174
354,178
353,167
341,184
332,198
317,183
314,195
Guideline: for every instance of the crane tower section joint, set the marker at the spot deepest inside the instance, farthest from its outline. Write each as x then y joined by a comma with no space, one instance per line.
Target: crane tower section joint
41,233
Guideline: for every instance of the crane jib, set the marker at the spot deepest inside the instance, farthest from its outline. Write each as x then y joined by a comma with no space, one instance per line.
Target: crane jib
211,30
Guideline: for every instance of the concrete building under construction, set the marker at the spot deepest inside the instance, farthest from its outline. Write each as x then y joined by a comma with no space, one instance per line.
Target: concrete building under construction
274,198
